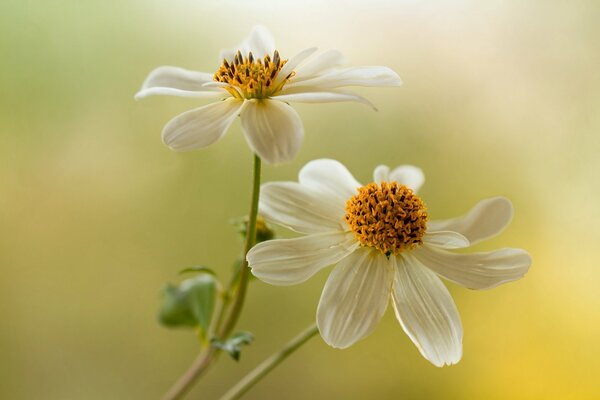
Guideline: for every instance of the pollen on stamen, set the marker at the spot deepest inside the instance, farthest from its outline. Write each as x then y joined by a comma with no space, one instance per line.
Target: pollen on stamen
252,78
389,217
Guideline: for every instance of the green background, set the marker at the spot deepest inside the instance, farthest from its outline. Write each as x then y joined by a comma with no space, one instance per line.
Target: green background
96,214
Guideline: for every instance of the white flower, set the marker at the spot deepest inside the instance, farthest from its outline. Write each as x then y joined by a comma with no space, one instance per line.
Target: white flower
385,248
257,85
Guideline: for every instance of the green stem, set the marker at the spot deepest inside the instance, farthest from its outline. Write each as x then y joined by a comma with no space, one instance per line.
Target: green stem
238,301
269,364
209,354
185,383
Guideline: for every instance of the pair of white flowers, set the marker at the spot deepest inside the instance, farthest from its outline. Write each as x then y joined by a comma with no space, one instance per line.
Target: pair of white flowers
379,235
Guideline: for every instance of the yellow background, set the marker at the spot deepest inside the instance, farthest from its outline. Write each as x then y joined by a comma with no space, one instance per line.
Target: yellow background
96,214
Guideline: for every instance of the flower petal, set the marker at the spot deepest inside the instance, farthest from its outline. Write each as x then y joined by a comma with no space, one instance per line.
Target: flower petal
446,240
177,81
300,208
292,63
476,270
260,42
354,298
320,63
410,176
355,76
427,312
381,174
273,129
488,218
202,126
323,97
292,261
329,176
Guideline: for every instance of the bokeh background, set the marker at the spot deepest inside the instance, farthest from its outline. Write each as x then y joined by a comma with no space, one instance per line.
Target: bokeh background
96,214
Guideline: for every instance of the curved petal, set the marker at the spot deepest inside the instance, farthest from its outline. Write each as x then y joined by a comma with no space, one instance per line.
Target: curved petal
355,76
273,129
410,176
427,312
488,218
446,240
476,270
381,174
300,208
292,63
329,176
323,97
260,42
354,298
292,261
202,126
320,63
177,81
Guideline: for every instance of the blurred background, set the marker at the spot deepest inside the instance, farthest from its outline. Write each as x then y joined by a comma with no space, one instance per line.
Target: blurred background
96,214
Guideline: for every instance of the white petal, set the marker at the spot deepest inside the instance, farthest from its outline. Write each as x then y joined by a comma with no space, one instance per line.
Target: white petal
301,208
273,129
488,218
446,240
356,76
476,270
176,81
292,63
291,261
202,126
323,97
381,174
354,298
229,54
260,42
427,312
320,63
329,176
213,84
410,176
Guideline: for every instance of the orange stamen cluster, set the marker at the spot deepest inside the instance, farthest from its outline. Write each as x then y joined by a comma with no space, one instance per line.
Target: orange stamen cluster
252,78
388,217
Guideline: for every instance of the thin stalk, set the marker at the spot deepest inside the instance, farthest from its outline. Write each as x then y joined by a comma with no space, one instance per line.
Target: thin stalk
269,364
209,353
198,367
240,296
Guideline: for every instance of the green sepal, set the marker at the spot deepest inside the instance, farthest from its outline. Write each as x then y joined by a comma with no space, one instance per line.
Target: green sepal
233,345
263,230
189,304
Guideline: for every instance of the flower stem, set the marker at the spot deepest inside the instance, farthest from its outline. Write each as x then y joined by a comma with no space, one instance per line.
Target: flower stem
209,354
238,301
187,380
269,364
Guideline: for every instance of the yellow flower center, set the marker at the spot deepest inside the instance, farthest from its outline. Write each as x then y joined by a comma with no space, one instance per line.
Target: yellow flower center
388,217
252,78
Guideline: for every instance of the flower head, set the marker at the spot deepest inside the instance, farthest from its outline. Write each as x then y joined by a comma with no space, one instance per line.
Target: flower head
386,249
255,82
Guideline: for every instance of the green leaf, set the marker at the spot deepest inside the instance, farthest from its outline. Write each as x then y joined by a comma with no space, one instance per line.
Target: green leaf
174,310
190,304
233,345
198,269
201,293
